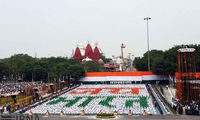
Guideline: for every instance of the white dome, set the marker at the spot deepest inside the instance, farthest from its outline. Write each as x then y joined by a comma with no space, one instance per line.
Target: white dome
87,59
81,46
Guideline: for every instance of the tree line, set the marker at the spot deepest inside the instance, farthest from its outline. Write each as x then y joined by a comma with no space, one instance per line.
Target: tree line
164,62
53,69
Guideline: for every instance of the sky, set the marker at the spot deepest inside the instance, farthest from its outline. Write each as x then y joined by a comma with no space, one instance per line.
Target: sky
55,27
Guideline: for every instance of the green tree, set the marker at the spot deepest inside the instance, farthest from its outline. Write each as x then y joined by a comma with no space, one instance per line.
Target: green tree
165,62
15,64
105,60
93,66
36,69
141,63
76,71
61,69
3,69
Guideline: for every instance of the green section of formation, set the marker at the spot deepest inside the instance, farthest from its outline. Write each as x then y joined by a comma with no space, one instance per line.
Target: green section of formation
87,101
72,102
129,103
105,102
143,102
60,99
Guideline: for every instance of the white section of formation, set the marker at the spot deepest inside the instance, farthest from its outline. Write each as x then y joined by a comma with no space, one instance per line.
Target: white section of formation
124,78
93,107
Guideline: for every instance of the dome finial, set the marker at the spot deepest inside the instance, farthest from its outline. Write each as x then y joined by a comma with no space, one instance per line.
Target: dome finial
96,44
88,41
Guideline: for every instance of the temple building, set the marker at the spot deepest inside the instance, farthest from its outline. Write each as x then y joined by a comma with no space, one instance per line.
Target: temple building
77,54
90,54
84,54
96,54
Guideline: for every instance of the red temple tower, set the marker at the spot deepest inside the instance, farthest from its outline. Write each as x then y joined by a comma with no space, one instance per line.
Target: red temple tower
96,55
77,54
88,52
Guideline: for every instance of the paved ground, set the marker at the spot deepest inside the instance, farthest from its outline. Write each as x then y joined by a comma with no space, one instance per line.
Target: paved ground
92,117
123,117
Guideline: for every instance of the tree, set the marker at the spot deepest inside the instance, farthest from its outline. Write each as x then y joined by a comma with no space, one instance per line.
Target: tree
3,69
36,69
93,66
14,65
165,62
76,71
61,69
105,60
162,66
141,63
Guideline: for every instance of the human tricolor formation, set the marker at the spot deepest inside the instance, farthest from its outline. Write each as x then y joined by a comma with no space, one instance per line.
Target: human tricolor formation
106,98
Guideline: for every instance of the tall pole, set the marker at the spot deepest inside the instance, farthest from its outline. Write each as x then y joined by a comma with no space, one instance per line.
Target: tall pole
147,19
132,61
122,47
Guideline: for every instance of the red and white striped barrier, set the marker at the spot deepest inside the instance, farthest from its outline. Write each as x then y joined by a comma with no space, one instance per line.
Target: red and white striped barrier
122,76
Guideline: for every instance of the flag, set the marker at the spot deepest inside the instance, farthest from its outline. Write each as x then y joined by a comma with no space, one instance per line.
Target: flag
170,78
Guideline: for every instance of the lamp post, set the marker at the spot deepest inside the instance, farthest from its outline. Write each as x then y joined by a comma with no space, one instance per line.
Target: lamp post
147,19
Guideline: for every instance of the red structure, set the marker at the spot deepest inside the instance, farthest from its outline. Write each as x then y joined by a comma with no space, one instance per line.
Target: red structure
111,67
88,52
77,54
188,87
96,55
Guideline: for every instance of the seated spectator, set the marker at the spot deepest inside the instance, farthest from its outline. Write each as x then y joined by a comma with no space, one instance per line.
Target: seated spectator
144,112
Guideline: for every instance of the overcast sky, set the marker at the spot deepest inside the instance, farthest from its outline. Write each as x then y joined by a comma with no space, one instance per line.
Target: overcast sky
55,27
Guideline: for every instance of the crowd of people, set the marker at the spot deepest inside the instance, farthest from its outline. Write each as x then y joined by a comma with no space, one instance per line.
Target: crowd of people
14,88
190,107
193,108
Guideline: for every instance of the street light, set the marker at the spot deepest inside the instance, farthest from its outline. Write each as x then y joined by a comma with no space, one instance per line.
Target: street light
147,19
